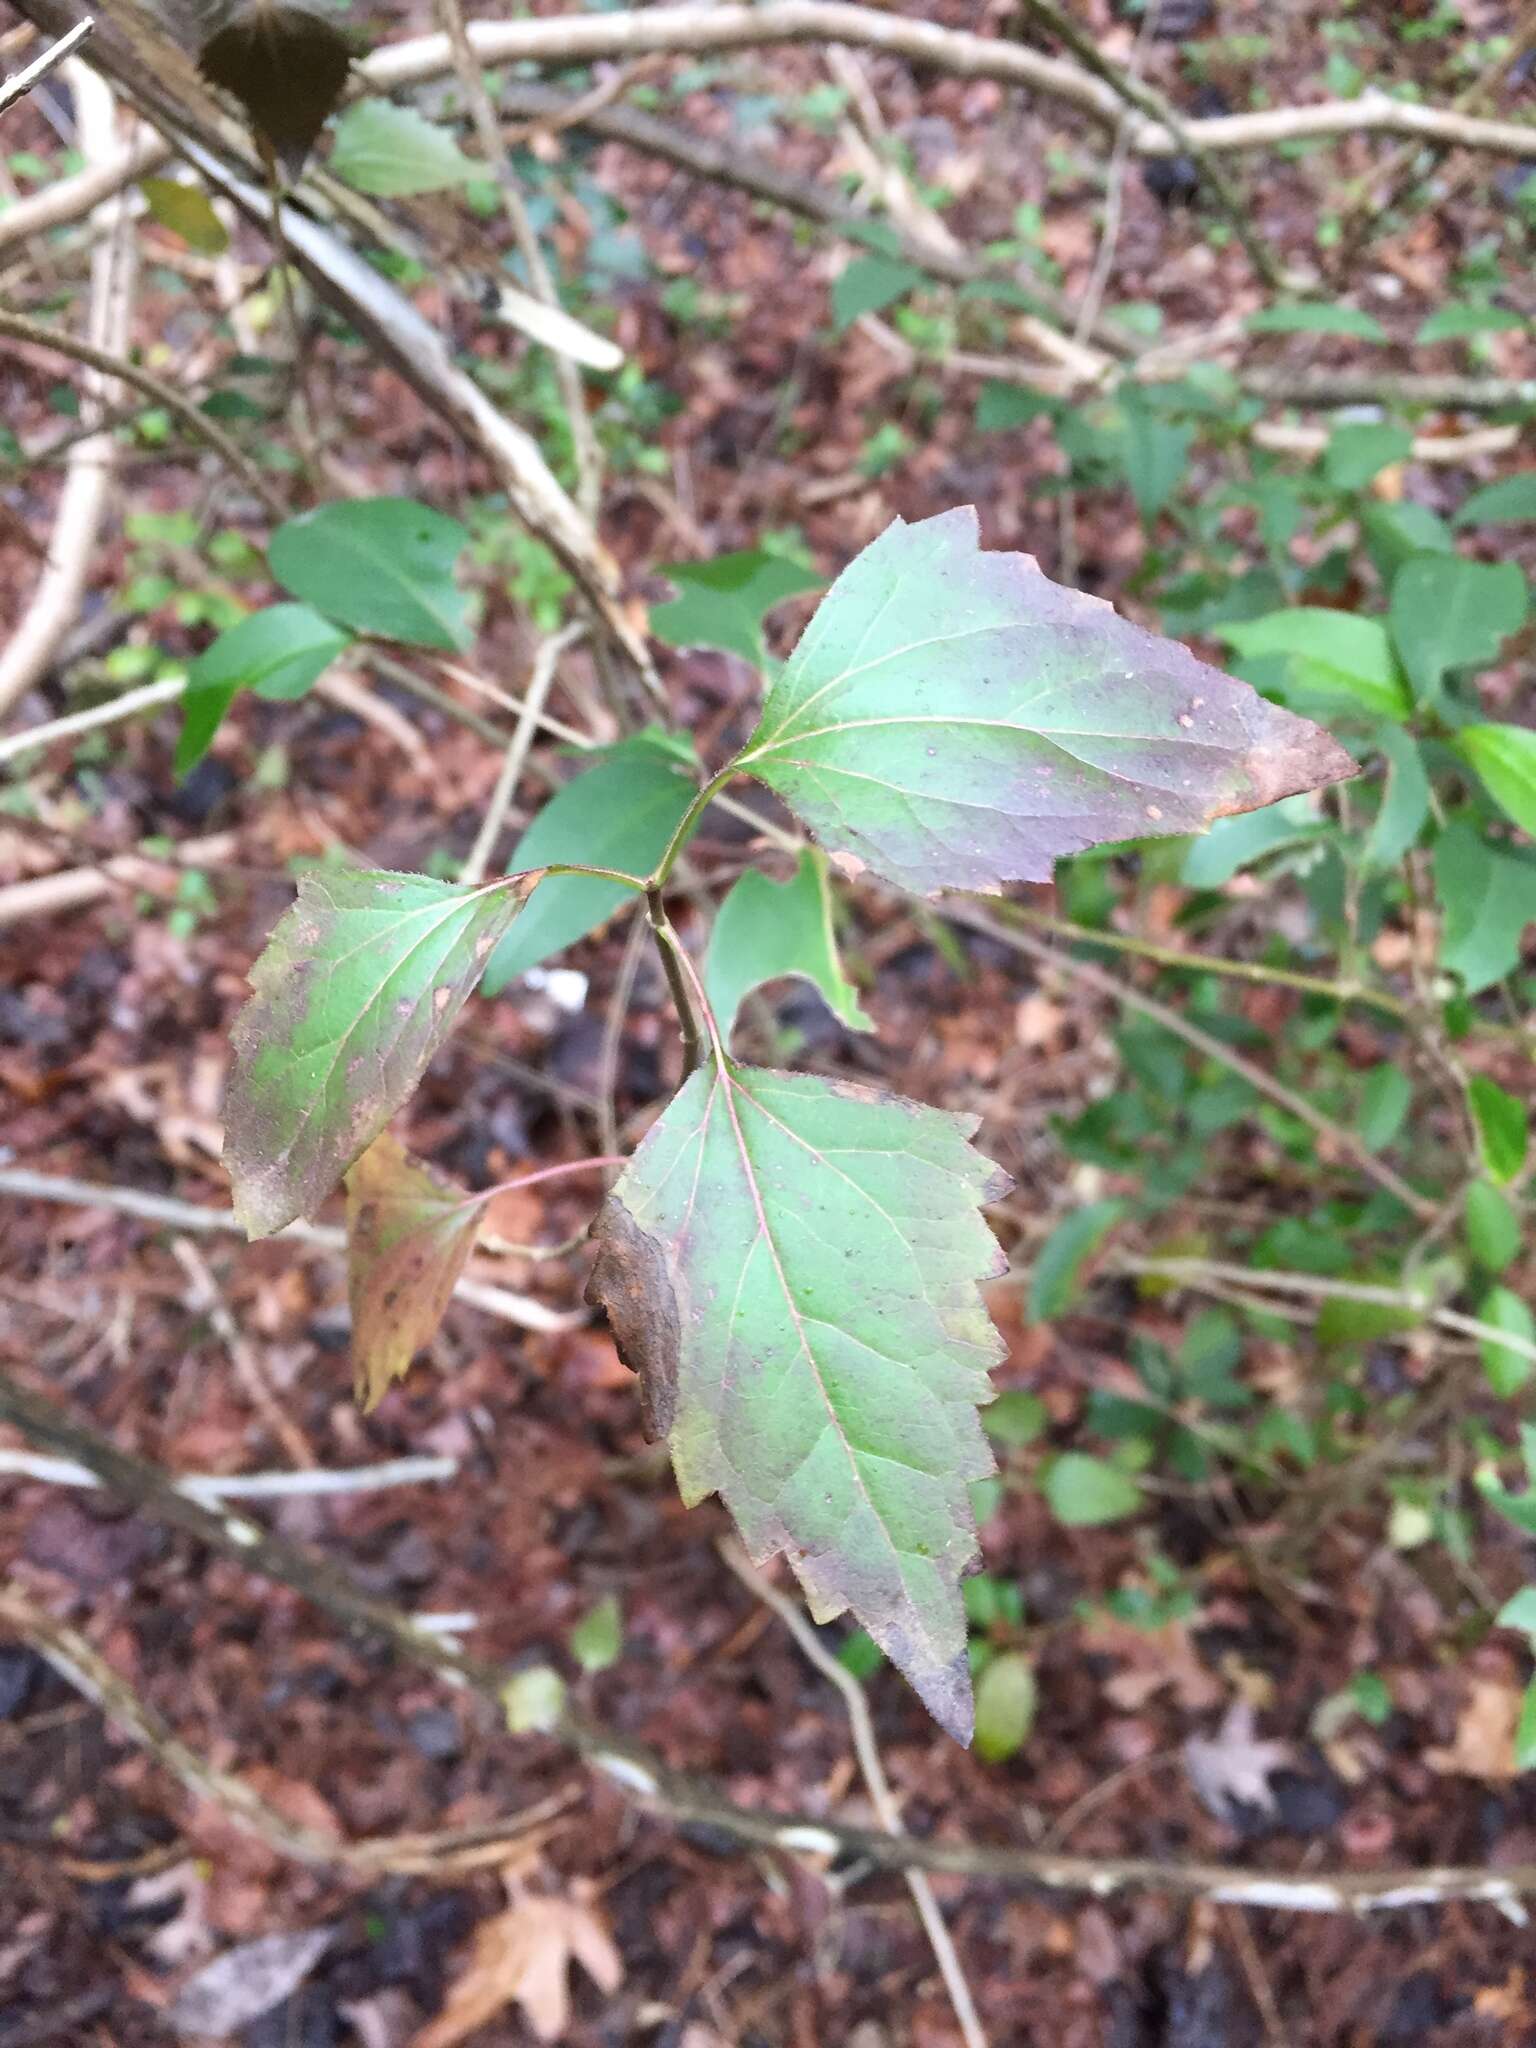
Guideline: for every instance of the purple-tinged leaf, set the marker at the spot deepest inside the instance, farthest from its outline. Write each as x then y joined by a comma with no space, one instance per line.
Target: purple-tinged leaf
792,1265
359,985
953,719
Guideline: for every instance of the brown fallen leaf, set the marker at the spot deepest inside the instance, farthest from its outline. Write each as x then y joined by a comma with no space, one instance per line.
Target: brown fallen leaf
523,1957
1484,1743
409,1233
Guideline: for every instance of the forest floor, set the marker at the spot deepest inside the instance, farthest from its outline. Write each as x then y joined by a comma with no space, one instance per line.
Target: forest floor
114,1033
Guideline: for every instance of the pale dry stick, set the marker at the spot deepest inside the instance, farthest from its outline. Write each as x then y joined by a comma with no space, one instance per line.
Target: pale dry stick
212,1487
959,53
872,1770
16,327
1281,437
73,888
1133,999
584,443
146,697
22,82
541,680
26,1185
78,1662
1114,197
56,600
685,1801
1197,1273
249,1368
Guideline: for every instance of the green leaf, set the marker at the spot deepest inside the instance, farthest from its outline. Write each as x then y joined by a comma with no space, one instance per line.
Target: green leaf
765,929
955,720
279,653
534,1700
1233,844
1002,407
1505,759
1334,656
1015,1418
1448,613
1005,1706
868,285
1458,321
1384,1105
359,985
1053,1280
597,1640
380,565
1311,318
409,1232
1085,1492
1503,1134
1156,453
1361,449
1488,898
1404,807
393,152
1509,502
1519,1611
792,1265
187,211
1492,1227
1507,1369
1394,532
723,603
619,813
1525,1729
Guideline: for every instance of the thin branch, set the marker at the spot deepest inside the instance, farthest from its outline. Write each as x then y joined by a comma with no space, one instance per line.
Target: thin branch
872,1770
16,327
1210,963
685,1801
57,599
1143,99
546,666
81,1666
22,82
589,460
127,704
1172,1020
212,1487
26,1185
1310,1287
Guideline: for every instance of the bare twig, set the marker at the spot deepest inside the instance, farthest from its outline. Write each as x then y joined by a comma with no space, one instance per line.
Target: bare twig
16,327
78,1662
684,1801
589,460
56,601
872,1771
546,667
22,82
21,1182
211,1487
250,1370
1117,991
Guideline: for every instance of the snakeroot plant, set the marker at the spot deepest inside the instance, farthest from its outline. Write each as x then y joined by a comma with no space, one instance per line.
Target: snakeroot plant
791,1264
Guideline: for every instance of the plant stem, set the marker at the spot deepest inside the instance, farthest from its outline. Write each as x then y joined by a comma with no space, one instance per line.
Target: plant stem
689,820
673,960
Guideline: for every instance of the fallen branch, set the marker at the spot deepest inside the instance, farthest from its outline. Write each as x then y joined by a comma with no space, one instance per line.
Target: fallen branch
212,1487
57,599
22,82
80,1665
1337,1136
21,1182
866,1749
684,1801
